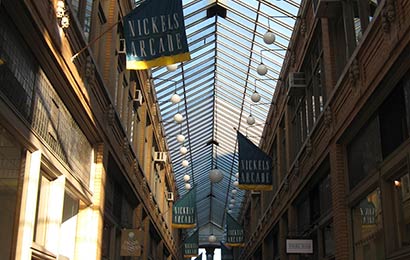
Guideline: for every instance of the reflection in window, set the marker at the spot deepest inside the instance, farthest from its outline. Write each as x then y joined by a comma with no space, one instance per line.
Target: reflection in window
82,9
363,14
10,160
364,152
402,203
328,240
368,228
42,213
69,225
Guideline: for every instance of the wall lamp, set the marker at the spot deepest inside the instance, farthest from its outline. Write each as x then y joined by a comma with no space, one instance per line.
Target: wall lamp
175,98
62,14
262,69
172,67
251,120
269,36
256,97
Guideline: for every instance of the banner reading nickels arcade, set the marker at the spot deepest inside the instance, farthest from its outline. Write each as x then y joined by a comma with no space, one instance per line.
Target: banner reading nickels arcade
255,167
155,35
184,211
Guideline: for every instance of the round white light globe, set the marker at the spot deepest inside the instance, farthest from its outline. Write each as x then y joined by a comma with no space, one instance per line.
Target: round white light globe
215,175
131,234
185,163
231,205
233,201
234,191
250,120
172,67
269,37
178,118
212,239
180,138
236,183
237,175
187,177
262,69
187,186
256,97
175,98
229,211
183,150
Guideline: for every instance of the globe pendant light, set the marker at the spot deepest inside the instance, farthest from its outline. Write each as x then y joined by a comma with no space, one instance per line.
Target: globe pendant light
269,37
175,98
236,183
187,186
180,138
256,97
212,239
187,178
229,211
233,201
178,118
215,175
262,69
250,120
172,67
183,150
234,191
185,163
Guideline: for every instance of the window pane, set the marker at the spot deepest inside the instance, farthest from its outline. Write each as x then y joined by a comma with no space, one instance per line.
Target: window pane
69,226
402,197
328,240
364,152
10,159
368,228
40,229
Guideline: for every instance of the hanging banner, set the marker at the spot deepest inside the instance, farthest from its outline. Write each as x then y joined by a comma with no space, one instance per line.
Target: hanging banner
191,245
226,252
255,167
131,241
234,232
184,211
155,35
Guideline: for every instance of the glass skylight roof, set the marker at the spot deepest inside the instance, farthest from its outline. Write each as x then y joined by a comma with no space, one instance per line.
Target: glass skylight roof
215,87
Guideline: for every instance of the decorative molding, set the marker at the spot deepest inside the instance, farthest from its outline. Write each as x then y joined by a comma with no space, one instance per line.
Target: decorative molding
89,70
148,86
110,113
293,58
328,117
388,15
354,72
296,168
154,109
303,27
309,148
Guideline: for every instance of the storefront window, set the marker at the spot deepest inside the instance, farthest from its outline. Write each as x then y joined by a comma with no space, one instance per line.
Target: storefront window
42,214
402,202
10,160
328,240
368,228
69,225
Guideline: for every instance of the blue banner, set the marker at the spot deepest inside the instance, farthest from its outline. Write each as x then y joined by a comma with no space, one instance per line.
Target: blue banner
155,34
234,232
226,252
255,167
184,211
191,245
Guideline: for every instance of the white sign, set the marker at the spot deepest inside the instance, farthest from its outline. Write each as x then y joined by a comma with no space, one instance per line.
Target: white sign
299,246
